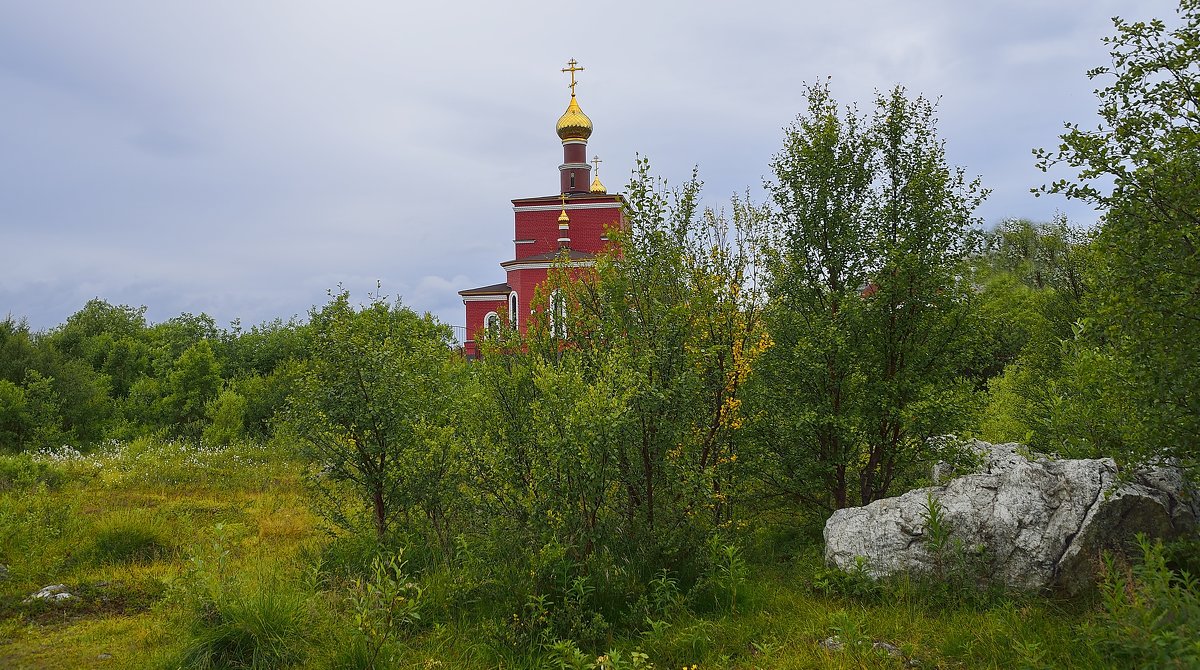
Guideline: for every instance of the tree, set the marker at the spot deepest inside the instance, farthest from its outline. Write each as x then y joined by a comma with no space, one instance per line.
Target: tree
17,351
868,305
192,383
1049,255
1146,314
611,428
375,408
14,417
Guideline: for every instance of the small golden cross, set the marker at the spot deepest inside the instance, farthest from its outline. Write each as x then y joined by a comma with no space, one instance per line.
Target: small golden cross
572,69
564,201
596,161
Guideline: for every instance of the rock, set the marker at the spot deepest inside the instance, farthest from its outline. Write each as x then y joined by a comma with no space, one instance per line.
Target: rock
54,592
103,657
832,644
3,572
886,648
1036,522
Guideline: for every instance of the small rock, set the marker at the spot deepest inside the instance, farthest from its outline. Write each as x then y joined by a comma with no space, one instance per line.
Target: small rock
3,572
889,649
54,592
103,657
832,643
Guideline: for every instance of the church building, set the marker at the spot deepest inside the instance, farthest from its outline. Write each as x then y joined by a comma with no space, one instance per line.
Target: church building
567,226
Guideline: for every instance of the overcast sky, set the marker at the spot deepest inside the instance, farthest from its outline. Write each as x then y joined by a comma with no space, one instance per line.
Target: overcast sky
241,158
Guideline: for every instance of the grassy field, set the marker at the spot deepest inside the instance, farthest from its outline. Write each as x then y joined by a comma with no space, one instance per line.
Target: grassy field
184,557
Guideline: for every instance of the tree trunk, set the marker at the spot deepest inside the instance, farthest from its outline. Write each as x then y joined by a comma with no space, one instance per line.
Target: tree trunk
380,514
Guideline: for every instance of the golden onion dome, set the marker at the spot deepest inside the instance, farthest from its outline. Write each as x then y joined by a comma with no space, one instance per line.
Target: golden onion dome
574,124
563,219
597,187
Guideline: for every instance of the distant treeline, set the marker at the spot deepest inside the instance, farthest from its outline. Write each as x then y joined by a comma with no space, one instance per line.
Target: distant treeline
108,374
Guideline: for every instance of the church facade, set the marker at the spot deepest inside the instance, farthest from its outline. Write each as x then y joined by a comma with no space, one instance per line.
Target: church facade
564,228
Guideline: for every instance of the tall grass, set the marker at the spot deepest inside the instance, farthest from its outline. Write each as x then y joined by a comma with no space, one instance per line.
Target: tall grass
254,583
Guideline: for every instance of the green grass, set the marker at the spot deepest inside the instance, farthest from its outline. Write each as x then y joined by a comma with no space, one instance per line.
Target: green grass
213,558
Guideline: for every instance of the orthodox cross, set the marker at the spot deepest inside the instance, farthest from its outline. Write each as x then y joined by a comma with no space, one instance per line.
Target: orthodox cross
572,69
596,161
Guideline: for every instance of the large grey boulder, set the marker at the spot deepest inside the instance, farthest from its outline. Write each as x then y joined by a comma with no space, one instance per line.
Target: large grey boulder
1032,522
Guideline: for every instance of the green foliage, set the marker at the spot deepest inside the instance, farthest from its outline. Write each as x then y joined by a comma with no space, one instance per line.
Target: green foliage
240,623
385,606
1151,615
38,530
1041,256
855,583
14,420
1146,313
255,627
728,571
43,413
375,408
621,438
961,574
869,311
17,350
110,339
226,414
193,382
564,655
20,472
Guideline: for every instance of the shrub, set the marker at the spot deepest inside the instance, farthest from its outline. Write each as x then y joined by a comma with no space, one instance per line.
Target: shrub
855,583
1151,614
23,471
385,605
259,621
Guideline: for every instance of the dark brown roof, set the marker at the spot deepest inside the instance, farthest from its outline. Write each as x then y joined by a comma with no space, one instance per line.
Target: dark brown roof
551,256
502,287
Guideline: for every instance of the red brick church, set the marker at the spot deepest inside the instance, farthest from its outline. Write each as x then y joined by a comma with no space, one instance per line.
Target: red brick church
568,225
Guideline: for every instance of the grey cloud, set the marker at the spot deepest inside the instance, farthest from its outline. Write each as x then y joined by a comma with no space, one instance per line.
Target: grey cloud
241,159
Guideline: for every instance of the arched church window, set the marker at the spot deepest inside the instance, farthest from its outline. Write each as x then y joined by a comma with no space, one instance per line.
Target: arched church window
512,309
491,322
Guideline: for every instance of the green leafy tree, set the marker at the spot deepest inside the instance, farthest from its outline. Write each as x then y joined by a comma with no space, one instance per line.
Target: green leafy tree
618,433
192,384
868,307
376,409
1140,167
43,413
227,418
14,417
1051,255
171,338
1031,281
17,350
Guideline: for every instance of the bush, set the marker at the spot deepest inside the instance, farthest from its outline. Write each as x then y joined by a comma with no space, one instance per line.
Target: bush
1151,614
23,471
257,621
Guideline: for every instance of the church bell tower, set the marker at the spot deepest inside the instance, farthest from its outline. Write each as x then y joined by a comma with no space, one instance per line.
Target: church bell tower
565,229
574,128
